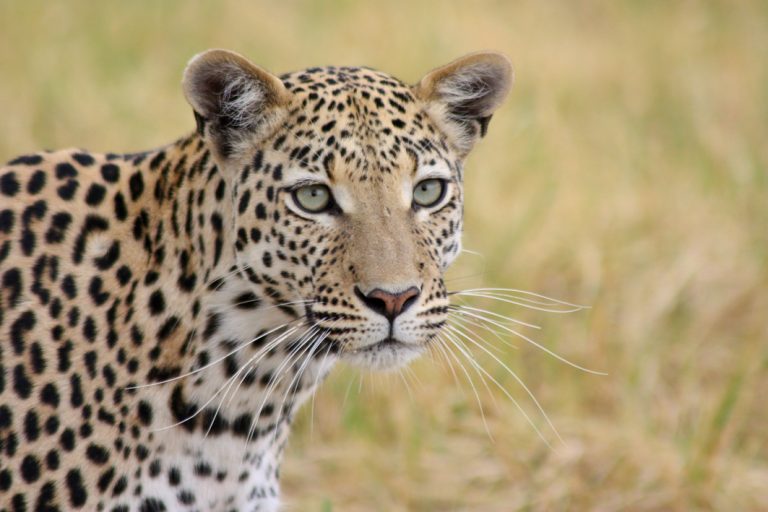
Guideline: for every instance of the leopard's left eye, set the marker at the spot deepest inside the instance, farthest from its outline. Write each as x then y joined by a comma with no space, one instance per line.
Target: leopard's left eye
313,198
429,192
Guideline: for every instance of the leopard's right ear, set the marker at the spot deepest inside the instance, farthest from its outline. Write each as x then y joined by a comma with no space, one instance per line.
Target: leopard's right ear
235,101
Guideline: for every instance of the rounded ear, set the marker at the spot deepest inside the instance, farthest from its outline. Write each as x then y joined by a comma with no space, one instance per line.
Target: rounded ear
234,100
463,95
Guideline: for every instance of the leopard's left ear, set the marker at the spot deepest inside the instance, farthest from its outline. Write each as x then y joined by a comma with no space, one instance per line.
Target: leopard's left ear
235,101
462,96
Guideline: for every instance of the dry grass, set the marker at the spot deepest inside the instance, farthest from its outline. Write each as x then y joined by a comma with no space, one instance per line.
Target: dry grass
627,171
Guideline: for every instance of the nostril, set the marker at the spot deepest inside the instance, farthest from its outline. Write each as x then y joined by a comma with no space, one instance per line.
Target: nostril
386,303
375,303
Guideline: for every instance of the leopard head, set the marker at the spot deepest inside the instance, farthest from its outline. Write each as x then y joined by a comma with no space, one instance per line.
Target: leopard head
346,188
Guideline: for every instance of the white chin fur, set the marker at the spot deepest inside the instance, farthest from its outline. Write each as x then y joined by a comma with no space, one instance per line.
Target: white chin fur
386,358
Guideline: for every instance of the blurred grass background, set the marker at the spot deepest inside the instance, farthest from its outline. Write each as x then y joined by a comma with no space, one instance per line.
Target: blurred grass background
627,171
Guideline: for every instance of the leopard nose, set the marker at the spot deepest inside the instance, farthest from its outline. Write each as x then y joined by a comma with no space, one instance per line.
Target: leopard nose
389,304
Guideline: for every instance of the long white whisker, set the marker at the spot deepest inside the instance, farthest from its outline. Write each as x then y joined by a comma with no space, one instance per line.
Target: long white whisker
205,367
529,340
472,385
505,318
199,409
514,376
479,367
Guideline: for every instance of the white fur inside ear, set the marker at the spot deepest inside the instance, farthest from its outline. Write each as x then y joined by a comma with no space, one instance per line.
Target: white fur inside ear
468,85
242,100
474,91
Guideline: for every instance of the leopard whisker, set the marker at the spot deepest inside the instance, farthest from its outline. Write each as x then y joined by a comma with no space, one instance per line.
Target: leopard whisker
466,323
521,297
202,407
462,311
447,351
514,376
290,359
312,403
222,358
497,315
462,349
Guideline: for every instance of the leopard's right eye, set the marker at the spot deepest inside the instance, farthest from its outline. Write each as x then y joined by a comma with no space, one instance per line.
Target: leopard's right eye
314,198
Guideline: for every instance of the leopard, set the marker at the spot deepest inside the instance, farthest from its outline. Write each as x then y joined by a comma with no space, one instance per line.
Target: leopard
164,314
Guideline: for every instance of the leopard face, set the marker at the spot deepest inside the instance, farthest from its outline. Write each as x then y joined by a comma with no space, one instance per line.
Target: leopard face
359,178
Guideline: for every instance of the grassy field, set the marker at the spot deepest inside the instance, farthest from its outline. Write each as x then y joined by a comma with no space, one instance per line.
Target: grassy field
628,171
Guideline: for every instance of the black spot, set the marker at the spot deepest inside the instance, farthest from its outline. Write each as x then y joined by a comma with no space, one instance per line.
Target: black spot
244,200
124,275
95,194
174,476
156,303
105,479
186,497
23,324
121,210
7,219
30,468
109,258
83,159
152,505
26,160
212,325
398,123
110,173
52,460
247,300
145,413
98,296
203,469
12,281
6,480
67,440
120,486
31,426
328,126
36,182
77,493
6,416
9,186
21,383
97,454
154,164
64,360
36,358
58,228
136,184
242,425
261,212
49,395
76,391
52,425
168,328
68,189
69,287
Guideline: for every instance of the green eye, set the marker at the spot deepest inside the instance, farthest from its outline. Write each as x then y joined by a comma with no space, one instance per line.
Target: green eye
313,198
429,192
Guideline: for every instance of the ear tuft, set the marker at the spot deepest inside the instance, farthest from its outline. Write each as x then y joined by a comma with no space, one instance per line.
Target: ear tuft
465,93
233,98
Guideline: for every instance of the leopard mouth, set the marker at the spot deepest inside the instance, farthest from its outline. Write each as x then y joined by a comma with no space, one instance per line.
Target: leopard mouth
384,344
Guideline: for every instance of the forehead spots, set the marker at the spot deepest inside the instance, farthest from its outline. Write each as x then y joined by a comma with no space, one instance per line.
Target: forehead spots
356,121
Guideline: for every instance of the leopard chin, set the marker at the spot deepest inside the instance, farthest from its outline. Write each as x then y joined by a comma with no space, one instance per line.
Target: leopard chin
386,355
